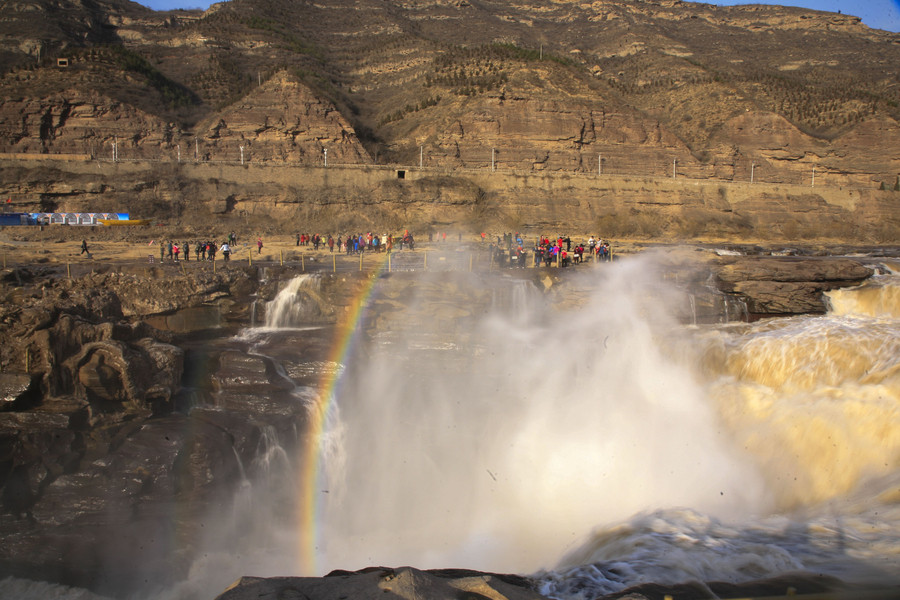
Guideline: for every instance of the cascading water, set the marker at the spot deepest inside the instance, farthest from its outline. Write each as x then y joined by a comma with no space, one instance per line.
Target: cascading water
578,432
504,454
539,438
298,303
814,402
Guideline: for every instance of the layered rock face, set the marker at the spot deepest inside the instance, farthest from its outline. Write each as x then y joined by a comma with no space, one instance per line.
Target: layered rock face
282,122
788,285
631,89
286,199
448,584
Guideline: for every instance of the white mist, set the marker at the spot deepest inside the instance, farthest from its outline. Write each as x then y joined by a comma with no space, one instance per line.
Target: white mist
537,426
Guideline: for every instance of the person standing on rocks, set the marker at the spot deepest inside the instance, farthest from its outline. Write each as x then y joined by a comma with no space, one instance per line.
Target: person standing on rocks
162,251
187,252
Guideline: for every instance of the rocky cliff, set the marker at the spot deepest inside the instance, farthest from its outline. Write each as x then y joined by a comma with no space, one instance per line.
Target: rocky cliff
631,89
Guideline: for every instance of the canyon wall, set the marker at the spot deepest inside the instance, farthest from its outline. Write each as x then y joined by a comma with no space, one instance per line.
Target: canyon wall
355,196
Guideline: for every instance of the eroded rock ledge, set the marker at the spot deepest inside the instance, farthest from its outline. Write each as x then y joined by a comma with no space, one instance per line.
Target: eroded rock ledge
459,584
788,285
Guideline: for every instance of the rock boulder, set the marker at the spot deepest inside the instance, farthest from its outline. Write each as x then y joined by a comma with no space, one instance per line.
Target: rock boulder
788,285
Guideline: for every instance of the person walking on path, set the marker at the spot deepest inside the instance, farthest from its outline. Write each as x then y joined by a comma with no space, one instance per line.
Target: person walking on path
84,248
259,245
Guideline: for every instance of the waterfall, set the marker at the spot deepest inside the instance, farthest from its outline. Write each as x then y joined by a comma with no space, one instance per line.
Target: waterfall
877,298
608,437
814,402
534,429
584,435
299,302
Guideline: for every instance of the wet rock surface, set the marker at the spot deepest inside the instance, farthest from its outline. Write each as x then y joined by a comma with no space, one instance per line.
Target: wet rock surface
788,285
405,582
452,584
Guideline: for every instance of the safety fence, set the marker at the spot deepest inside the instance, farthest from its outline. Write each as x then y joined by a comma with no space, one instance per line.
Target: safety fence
612,161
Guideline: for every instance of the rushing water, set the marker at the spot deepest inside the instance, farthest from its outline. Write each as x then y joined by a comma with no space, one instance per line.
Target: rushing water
604,445
585,435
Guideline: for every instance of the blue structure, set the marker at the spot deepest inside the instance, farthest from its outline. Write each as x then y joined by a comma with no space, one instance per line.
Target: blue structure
8,219
73,218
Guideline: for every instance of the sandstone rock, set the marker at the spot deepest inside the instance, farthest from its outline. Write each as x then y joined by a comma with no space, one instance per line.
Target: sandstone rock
775,286
794,269
283,121
403,582
13,389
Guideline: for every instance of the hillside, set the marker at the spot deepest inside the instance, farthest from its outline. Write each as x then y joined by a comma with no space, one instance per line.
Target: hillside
631,88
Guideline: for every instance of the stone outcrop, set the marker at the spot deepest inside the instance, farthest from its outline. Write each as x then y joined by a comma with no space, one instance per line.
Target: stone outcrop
282,121
785,285
88,124
406,582
451,584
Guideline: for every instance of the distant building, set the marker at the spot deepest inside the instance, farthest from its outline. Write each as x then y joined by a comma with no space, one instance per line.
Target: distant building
9,219
71,218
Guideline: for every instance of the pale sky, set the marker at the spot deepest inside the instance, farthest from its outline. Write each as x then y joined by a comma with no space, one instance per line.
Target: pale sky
878,14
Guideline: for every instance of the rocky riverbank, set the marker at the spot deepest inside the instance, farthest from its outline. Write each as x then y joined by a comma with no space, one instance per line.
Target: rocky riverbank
452,584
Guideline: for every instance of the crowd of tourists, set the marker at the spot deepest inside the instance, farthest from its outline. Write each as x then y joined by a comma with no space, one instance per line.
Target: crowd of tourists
203,251
509,250
358,243
561,251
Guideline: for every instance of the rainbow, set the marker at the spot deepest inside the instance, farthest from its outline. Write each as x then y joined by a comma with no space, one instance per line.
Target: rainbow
310,460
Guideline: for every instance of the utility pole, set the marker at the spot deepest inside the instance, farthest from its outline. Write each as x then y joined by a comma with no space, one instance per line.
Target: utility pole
752,166
813,184
242,155
599,164
492,160
178,148
326,156
674,171
421,156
